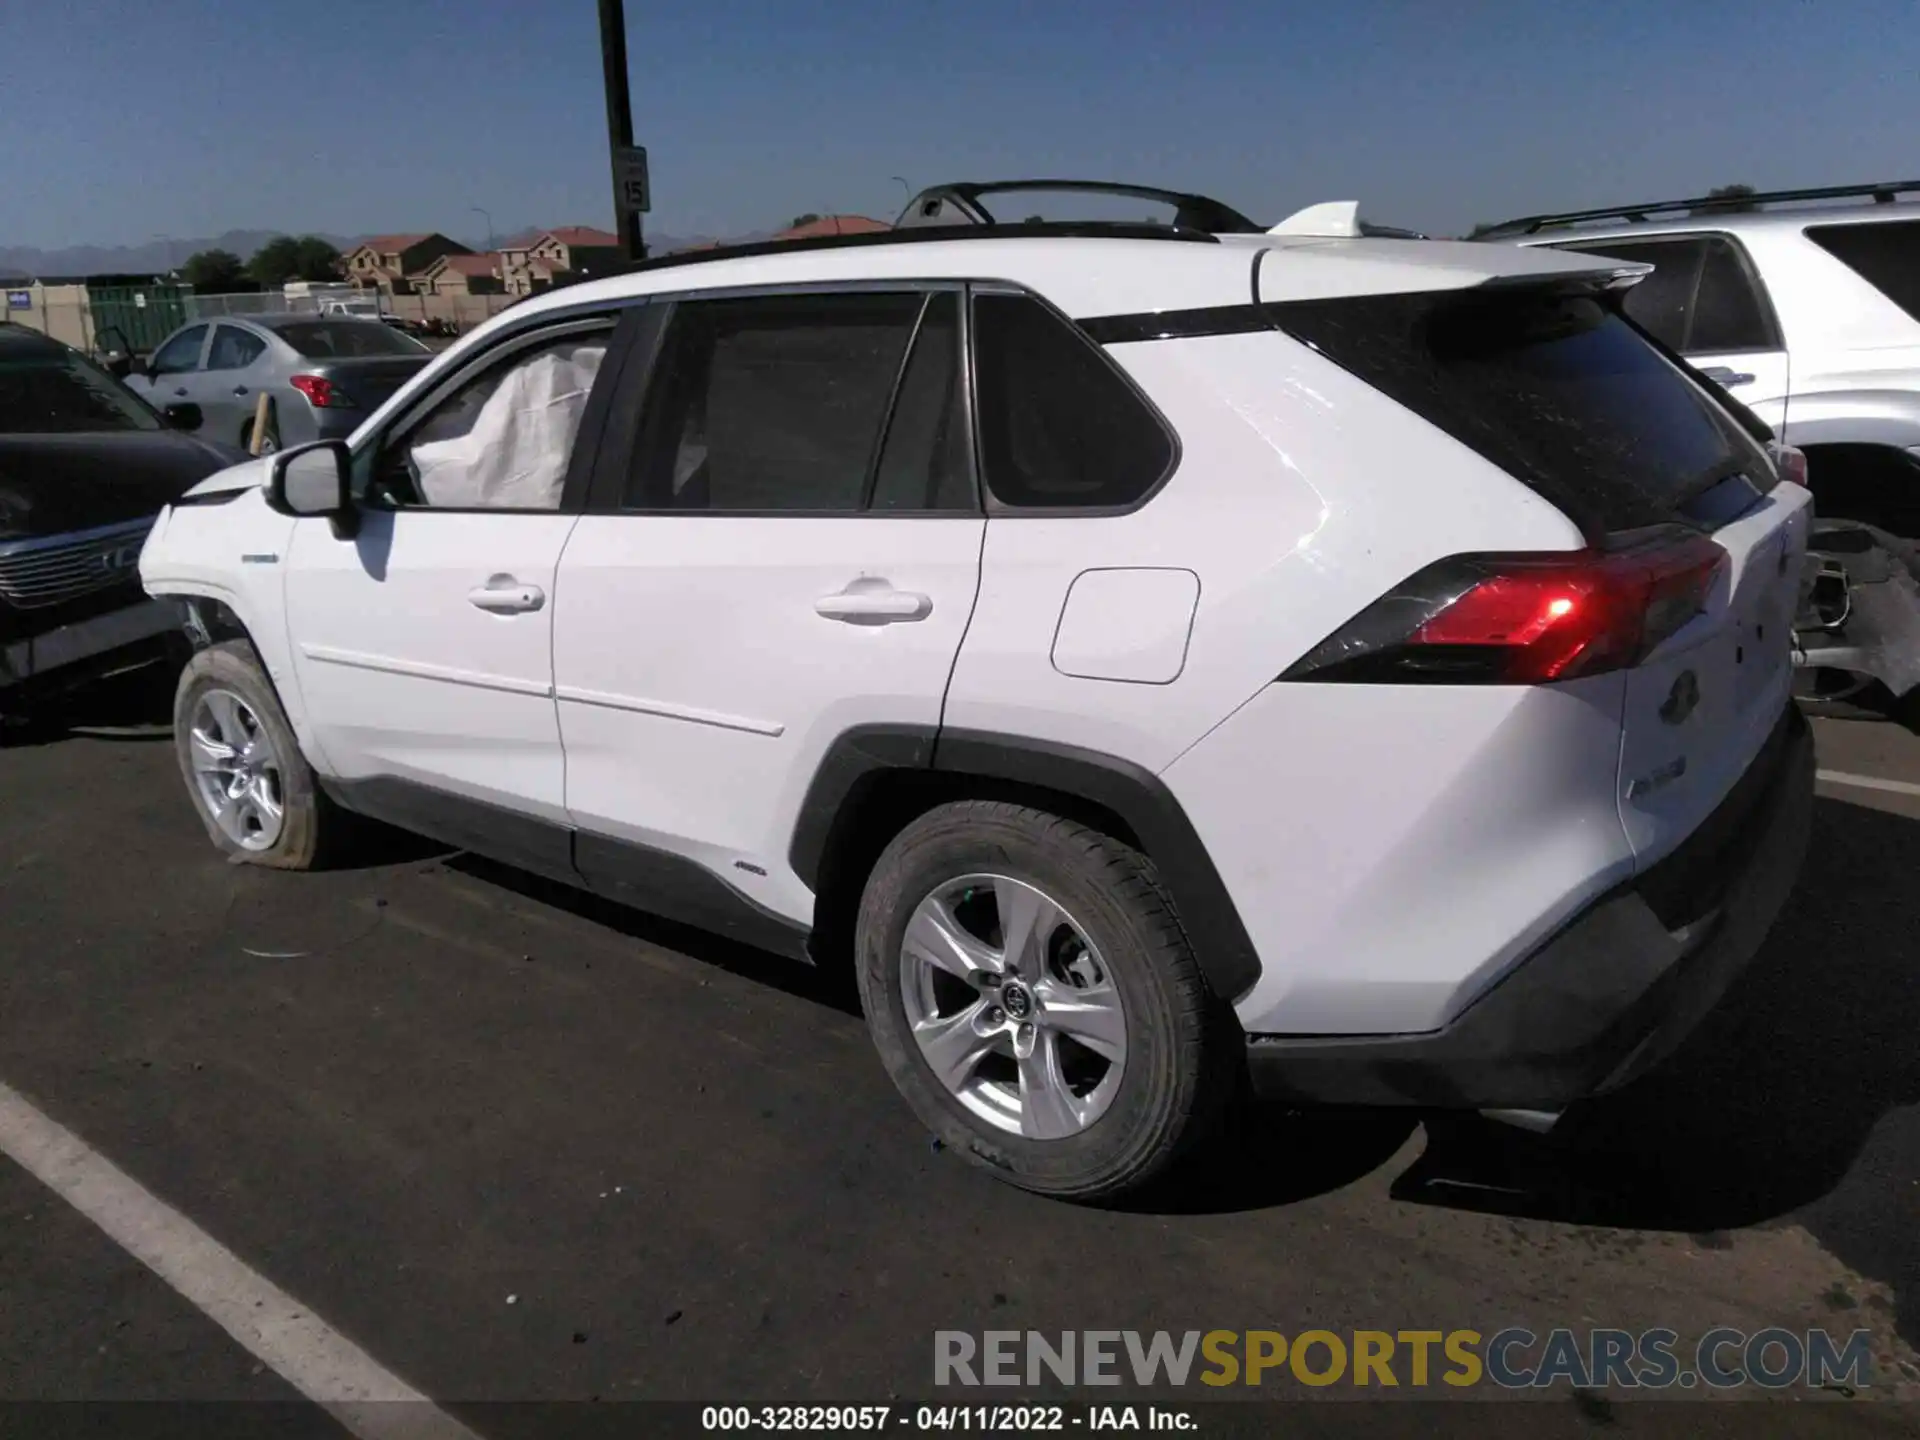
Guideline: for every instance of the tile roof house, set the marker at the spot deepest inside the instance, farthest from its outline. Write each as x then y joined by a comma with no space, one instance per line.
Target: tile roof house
383,262
834,225
460,275
530,267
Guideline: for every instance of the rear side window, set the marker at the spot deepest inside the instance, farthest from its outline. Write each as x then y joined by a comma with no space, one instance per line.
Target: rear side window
1059,425
1702,297
1885,254
771,404
1553,387
923,462
233,348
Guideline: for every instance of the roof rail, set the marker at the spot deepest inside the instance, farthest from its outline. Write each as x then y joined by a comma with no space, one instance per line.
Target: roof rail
1882,193
958,204
1090,230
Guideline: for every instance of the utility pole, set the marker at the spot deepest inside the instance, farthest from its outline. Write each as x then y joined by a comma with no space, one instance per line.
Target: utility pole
613,56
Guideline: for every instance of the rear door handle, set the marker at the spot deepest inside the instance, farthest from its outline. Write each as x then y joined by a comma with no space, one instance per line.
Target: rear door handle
239,389
874,605
180,390
1721,375
504,595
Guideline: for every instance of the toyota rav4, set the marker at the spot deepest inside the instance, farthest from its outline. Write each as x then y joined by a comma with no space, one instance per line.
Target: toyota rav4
1150,655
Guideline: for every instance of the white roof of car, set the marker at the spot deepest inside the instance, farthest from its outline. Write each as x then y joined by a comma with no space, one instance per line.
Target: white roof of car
1790,218
1100,275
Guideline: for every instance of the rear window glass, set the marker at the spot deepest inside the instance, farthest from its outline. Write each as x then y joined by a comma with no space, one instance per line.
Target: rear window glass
340,339
1059,426
1555,388
1885,254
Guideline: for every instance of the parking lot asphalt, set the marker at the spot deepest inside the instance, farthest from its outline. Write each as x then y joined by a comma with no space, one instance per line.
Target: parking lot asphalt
518,1144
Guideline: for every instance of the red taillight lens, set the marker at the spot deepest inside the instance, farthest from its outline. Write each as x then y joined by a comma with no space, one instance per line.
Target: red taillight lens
319,390
1523,619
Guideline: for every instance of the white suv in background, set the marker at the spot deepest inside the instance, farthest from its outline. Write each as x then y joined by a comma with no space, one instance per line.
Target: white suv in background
1803,304
1149,655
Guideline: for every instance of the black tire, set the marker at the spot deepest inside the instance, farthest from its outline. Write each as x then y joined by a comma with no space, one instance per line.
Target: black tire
1182,1056
311,823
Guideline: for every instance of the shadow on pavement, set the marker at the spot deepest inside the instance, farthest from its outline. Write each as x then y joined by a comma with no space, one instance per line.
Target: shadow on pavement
824,986
1768,1108
133,706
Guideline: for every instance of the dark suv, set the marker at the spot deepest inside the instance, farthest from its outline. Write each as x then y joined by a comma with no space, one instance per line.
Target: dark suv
85,466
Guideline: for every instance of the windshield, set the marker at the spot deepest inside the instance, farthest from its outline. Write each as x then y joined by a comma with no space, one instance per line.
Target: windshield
45,391
347,339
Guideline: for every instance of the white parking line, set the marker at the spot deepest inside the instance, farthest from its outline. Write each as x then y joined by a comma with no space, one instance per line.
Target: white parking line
1867,782
280,1332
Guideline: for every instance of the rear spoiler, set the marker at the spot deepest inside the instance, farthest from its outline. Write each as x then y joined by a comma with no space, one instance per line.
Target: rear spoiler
1338,220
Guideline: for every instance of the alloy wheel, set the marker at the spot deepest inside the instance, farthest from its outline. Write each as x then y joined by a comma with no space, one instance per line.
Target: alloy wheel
1012,1007
236,771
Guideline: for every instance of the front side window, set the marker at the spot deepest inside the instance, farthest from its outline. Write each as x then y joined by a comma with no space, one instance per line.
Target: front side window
47,390
502,441
179,354
1059,425
773,404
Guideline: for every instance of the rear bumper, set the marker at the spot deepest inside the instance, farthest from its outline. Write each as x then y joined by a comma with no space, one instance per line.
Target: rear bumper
71,653
1612,993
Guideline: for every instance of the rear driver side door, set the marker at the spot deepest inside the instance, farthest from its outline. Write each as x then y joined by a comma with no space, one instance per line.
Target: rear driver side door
783,543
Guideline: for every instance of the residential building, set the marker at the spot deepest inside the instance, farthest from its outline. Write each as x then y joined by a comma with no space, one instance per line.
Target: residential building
460,275
578,248
822,225
384,262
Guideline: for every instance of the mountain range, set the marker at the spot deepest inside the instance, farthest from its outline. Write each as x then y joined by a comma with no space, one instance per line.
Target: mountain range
156,257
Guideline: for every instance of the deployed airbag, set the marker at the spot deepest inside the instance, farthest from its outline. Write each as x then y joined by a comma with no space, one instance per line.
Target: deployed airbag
515,455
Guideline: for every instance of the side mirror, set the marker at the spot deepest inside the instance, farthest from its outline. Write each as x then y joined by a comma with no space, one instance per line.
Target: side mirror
183,416
314,480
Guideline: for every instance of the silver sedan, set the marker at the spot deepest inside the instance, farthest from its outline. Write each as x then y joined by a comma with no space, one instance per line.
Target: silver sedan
323,374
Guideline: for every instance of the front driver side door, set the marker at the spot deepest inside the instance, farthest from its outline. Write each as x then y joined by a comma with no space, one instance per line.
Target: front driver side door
174,368
424,643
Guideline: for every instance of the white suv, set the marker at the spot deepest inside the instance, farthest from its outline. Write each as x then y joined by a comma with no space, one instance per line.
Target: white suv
1149,656
1804,304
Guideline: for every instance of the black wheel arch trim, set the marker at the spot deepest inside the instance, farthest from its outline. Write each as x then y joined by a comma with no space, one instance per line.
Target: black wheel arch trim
1136,795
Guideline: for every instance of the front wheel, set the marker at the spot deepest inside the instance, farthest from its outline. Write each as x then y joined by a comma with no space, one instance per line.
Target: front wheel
1035,1000
252,788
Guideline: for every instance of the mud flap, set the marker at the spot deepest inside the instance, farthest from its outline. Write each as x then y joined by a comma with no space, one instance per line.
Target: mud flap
1860,606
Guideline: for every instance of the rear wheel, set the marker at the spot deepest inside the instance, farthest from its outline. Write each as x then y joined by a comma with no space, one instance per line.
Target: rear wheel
1032,995
249,783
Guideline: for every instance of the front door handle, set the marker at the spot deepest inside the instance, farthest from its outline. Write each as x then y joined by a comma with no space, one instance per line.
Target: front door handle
1721,375
870,602
504,595
180,390
239,389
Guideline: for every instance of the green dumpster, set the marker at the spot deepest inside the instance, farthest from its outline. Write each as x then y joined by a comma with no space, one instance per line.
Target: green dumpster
144,311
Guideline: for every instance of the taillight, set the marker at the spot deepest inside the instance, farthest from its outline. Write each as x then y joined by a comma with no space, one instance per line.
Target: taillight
1523,619
321,392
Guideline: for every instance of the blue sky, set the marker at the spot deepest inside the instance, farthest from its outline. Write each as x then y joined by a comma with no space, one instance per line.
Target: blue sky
121,120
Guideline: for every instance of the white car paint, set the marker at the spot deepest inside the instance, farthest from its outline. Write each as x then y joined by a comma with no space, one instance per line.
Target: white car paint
1391,850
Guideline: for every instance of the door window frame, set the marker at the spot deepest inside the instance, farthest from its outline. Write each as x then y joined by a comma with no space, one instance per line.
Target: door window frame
199,356
624,427
619,321
1769,317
